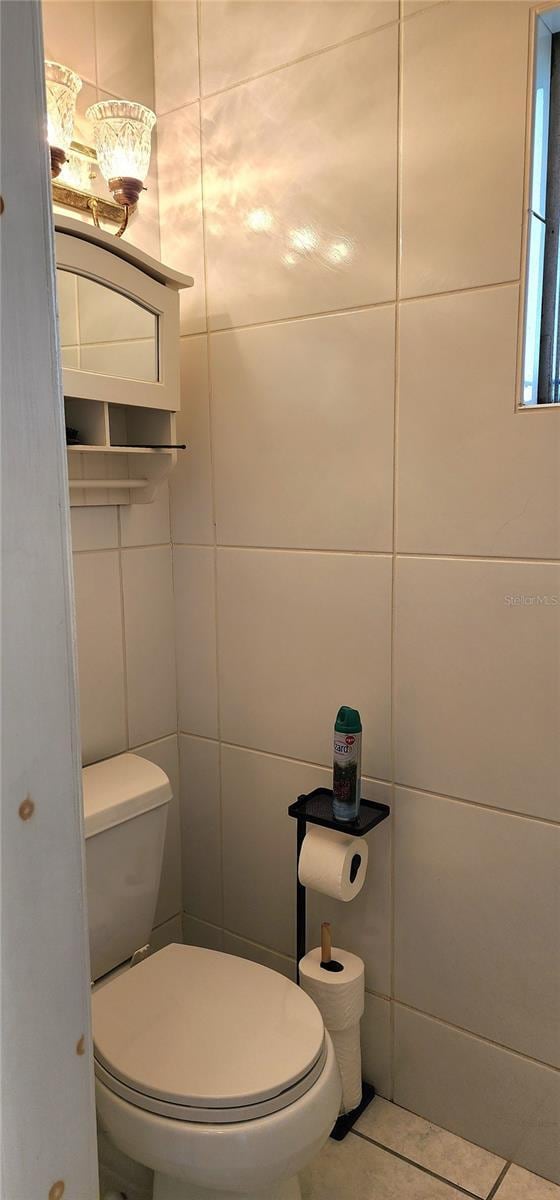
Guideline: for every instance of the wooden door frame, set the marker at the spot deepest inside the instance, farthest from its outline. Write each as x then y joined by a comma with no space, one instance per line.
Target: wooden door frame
48,1111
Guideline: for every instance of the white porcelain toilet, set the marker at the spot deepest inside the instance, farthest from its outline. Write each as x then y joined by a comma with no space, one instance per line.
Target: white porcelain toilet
213,1071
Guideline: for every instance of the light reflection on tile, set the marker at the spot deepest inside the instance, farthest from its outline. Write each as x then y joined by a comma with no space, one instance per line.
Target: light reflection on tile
300,214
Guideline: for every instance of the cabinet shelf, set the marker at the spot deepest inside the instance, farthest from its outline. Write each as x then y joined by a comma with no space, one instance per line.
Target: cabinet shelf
77,448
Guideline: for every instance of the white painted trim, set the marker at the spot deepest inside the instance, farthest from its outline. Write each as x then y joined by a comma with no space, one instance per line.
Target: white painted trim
48,1111
123,250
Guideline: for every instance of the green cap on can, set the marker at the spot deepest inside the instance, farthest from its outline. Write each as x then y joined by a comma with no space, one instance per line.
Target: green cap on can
348,720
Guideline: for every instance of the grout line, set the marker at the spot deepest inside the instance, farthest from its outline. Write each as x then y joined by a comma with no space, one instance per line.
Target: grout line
498,1182
493,808
123,639
307,550
110,549
418,1166
408,554
311,54
396,382
357,308
474,558
212,472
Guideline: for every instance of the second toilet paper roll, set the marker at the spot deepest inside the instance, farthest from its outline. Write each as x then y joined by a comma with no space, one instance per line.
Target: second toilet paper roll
333,863
340,997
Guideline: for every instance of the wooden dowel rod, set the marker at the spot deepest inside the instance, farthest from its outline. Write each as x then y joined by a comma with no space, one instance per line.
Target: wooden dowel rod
326,942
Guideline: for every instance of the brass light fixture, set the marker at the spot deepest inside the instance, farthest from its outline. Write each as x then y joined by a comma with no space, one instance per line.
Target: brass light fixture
122,134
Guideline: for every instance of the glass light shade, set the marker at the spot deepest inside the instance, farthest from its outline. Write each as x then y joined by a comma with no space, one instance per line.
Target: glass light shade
122,132
63,86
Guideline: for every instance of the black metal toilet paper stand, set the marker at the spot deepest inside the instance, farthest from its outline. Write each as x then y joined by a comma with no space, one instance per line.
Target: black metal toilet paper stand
316,809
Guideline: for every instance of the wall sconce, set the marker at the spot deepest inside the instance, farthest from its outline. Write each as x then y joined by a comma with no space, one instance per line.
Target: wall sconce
63,86
122,132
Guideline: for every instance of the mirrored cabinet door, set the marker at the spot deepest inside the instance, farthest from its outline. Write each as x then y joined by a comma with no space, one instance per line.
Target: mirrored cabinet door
119,329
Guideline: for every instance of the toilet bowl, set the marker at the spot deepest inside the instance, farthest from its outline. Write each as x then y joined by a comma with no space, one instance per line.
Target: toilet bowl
215,1072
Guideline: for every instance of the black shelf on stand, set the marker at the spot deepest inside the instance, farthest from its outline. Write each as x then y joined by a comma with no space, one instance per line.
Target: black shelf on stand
315,808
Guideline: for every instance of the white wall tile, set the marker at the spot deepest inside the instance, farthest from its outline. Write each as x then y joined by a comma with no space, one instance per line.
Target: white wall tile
191,481
175,53
180,208
375,1034
500,1100
259,954
146,524
195,624
259,844
302,414
165,754
476,920
301,634
200,828
100,654
465,75
240,38
198,933
475,476
94,528
477,681
125,62
69,35
364,925
285,159
150,650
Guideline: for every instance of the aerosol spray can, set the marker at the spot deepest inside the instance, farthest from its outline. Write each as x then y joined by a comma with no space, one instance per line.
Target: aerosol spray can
347,764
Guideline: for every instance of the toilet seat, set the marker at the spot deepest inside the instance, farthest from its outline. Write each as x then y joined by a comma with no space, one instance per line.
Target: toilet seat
201,1036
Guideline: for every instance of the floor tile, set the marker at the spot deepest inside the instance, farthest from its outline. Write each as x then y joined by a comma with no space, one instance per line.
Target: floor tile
522,1185
356,1170
457,1160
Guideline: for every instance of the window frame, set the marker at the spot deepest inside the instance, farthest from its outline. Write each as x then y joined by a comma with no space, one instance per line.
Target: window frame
545,23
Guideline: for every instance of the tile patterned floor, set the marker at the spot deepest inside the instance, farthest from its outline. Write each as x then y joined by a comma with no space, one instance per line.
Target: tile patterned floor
394,1155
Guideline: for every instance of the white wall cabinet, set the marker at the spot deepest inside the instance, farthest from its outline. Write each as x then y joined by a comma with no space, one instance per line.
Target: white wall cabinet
119,333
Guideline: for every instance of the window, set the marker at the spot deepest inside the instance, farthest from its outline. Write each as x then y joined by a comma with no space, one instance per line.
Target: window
541,359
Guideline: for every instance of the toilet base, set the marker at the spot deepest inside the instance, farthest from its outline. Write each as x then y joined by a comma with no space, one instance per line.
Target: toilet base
176,1189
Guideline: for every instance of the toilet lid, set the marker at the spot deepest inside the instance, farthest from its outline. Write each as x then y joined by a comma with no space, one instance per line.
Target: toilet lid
196,1034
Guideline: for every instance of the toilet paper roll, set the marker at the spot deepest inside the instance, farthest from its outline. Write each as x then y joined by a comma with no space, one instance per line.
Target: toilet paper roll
339,995
348,1053
333,863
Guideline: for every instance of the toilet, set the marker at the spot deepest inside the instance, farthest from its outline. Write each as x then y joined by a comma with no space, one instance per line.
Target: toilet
213,1071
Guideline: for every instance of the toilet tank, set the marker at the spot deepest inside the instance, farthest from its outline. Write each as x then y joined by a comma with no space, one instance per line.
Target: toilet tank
125,814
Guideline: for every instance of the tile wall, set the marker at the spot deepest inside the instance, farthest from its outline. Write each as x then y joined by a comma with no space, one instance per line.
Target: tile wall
122,555
364,518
